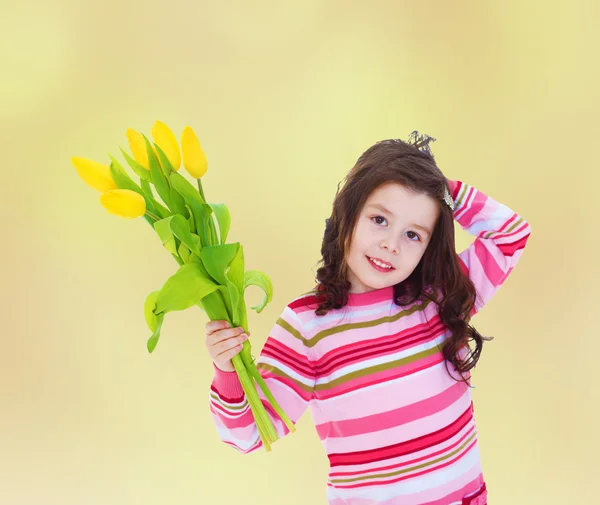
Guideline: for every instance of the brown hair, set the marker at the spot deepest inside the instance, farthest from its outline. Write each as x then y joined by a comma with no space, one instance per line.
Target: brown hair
438,276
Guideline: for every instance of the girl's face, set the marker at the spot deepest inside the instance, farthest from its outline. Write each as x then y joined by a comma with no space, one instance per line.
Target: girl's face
394,227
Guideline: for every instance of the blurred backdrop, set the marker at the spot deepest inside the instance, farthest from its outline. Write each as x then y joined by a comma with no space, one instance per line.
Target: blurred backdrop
284,97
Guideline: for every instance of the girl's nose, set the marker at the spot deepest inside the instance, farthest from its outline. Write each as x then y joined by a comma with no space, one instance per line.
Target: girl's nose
392,249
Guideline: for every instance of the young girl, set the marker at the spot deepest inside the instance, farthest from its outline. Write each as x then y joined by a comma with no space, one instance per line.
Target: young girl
379,349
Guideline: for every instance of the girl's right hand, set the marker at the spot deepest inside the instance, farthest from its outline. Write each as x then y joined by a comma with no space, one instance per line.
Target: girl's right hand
223,343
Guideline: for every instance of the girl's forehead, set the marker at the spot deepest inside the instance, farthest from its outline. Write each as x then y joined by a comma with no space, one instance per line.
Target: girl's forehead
399,201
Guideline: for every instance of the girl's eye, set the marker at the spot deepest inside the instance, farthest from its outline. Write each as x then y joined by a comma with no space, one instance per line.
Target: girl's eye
414,237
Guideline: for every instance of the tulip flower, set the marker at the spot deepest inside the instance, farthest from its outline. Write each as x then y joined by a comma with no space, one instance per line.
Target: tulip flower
94,174
123,203
166,140
137,145
194,159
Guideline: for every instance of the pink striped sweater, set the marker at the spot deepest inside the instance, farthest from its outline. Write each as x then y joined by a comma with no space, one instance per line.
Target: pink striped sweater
396,427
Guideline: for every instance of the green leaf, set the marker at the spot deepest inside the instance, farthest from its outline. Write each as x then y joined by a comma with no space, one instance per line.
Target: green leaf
164,161
135,166
191,222
149,305
177,201
195,203
261,280
157,176
161,210
163,228
153,340
223,218
184,253
209,225
189,285
123,181
179,228
225,263
217,258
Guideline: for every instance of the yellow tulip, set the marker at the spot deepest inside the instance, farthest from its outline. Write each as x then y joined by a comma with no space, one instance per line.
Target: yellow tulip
166,140
137,145
194,159
94,174
123,203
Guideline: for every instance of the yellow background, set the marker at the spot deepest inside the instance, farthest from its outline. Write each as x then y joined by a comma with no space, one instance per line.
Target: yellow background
284,97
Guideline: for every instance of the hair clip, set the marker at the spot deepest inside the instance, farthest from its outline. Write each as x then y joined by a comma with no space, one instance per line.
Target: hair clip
448,199
421,142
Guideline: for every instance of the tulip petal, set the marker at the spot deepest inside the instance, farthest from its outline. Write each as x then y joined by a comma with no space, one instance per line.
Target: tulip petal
137,147
123,203
94,174
194,159
142,172
166,140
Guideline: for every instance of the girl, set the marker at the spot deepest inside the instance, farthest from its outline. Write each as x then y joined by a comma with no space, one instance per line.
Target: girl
379,349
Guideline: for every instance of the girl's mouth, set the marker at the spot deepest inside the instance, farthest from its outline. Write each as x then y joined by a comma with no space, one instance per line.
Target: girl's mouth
379,267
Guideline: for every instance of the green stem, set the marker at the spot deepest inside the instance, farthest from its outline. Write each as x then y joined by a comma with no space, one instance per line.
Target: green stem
200,190
256,406
255,374
153,216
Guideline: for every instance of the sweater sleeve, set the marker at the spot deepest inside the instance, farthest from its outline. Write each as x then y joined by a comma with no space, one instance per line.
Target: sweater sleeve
500,237
287,370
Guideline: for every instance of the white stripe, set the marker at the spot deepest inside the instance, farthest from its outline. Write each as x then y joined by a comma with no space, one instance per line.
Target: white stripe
337,316
380,360
286,369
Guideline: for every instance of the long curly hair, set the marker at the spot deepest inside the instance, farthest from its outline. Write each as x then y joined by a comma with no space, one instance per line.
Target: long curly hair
438,276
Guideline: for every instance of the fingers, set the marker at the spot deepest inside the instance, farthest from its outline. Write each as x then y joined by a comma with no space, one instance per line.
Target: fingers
223,342
213,326
221,346
227,355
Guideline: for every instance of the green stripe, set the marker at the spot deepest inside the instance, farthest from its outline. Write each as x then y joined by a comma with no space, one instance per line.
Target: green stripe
352,375
516,223
406,470
227,406
378,368
366,324
461,195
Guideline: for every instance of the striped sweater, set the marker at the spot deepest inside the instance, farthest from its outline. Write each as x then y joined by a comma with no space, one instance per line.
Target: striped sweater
397,428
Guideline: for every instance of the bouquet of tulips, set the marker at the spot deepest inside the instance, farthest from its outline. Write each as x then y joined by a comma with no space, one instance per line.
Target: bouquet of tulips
211,272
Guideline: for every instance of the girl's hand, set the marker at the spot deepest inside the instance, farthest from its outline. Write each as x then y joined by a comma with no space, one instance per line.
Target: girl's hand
223,343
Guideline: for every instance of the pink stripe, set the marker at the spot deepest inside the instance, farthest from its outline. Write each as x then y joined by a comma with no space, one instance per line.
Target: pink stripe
509,250
467,218
351,353
465,204
400,464
379,377
490,267
415,387
410,446
243,421
364,336
395,417
412,475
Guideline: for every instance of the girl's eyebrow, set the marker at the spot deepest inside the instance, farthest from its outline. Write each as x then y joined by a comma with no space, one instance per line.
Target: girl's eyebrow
389,213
